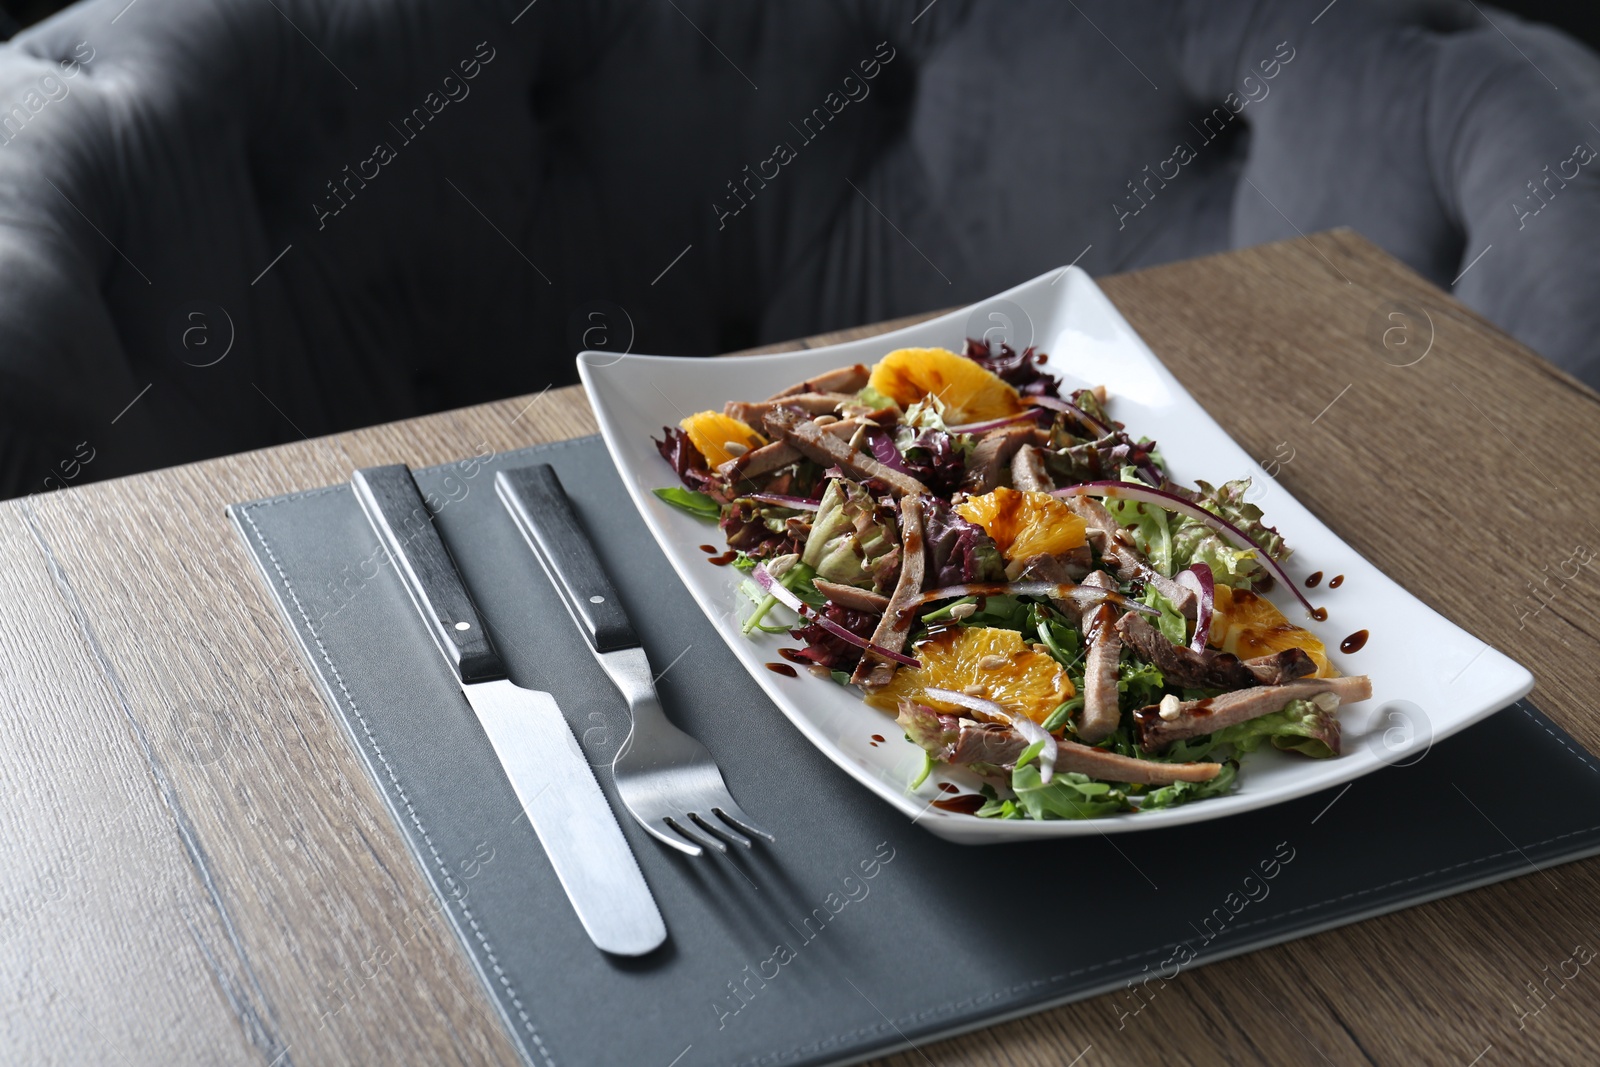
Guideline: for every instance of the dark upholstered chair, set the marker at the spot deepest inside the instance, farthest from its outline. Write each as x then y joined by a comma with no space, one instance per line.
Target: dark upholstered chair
225,223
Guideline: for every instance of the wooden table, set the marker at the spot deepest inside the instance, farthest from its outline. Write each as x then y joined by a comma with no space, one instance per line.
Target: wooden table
196,868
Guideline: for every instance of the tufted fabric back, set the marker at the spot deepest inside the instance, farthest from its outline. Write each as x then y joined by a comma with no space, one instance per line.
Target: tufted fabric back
377,208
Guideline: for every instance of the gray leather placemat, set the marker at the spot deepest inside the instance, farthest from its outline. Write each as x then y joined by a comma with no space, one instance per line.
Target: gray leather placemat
857,932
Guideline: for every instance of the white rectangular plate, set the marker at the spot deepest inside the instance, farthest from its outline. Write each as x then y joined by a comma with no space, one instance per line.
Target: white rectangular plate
1430,678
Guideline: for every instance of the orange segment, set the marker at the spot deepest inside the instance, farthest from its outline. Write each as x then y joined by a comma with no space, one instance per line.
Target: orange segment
710,432
1249,625
1024,525
1027,682
969,392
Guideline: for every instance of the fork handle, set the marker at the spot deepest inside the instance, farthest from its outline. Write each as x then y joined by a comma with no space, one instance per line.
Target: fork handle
542,511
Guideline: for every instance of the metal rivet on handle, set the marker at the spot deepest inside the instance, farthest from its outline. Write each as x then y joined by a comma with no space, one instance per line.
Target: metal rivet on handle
463,626
597,600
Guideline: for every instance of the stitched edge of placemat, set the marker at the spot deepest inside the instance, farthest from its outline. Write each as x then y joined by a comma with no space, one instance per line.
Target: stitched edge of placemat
1235,949
400,807
507,1000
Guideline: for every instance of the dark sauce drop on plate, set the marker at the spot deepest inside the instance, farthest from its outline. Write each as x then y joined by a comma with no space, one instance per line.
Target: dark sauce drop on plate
1311,582
783,669
1336,581
878,738
1354,643
966,804
1320,614
793,656
724,559
946,787
710,550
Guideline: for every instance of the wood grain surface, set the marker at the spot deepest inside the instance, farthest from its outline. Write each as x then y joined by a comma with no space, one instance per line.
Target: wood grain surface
195,868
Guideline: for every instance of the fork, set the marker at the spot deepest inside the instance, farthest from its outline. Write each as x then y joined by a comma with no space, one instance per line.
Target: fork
667,779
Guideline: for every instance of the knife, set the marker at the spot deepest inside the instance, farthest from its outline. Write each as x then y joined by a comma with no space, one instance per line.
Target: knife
553,781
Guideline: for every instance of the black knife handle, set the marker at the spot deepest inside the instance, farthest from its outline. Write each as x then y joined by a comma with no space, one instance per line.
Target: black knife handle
544,514
404,524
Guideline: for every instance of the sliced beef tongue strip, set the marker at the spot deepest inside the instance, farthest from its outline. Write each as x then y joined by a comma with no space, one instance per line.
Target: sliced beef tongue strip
1111,767
989,747
1181,666
1101,713
753,413
1068,568
1117,549
849,596
991,457
815,442
895,625
776,455
1281,667
987,743
758,461
1195,717
843,380
1027,471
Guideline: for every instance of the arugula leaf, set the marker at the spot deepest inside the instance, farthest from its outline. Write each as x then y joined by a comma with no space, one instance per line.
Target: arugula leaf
1068,796
695,503
1064,642
995,808
1170,796
1005,611
800,580
1062,715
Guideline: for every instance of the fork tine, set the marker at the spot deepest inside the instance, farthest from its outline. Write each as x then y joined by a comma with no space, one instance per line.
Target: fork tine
732,814
662,831
688,829
719,828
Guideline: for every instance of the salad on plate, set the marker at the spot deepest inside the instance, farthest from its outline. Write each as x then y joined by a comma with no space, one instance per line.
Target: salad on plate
1015,578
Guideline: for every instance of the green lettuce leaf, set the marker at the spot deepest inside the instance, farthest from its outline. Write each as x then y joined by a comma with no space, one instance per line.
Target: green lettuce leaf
1303,726
874,399
1173,626
1228,501
1150,526
1174,542
1195,542
853,540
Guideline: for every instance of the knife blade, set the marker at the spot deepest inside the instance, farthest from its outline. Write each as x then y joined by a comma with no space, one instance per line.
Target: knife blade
553,781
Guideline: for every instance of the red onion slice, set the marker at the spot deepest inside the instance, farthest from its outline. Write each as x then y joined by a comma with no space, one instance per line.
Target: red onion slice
772,587
1031,731
799,503
993,424
1081,595
1172,502
1057,404
1199,578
